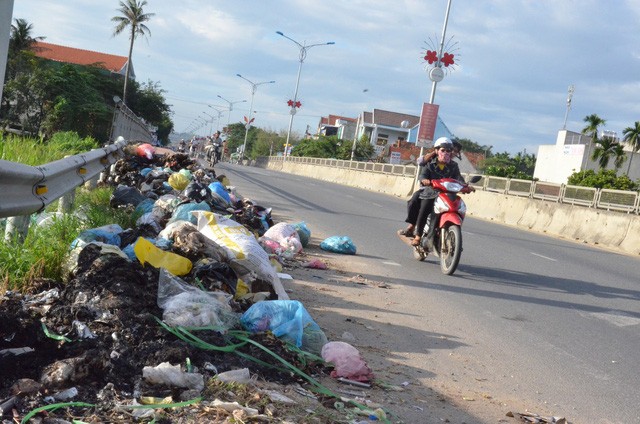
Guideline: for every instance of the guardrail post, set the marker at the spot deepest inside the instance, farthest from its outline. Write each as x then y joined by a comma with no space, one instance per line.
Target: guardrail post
65,205
17,228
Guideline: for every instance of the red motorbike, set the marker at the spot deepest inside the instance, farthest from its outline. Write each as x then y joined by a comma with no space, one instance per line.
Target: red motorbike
450,210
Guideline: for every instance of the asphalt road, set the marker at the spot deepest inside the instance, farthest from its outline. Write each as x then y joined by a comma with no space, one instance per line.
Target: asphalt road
548,324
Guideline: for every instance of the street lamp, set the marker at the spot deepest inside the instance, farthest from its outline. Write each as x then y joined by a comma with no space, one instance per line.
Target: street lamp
254,87
303,54
230,107
213,118
219,112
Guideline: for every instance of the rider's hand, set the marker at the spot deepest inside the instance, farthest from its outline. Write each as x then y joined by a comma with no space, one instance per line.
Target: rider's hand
425,182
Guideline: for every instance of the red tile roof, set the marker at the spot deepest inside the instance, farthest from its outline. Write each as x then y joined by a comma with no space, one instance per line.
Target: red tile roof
113,63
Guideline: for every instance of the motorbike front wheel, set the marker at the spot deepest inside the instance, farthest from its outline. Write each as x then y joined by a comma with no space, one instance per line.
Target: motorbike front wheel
450,248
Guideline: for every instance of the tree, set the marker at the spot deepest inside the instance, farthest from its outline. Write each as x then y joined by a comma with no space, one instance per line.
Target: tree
603,179
632,137
132,16
606,148
594,122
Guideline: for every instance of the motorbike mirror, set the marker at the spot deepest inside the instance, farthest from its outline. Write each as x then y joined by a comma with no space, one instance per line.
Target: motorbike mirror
475,179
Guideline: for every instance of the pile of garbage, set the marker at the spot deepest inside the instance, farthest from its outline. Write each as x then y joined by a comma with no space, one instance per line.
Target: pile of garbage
164,314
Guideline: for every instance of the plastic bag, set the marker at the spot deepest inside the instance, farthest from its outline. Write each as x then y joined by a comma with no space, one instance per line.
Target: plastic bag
145,150
287,319
183,212
241,246
287,236
303,232
146,252
178,181
109,234
145,206
347,361
339,244
188,306
218,188
124,196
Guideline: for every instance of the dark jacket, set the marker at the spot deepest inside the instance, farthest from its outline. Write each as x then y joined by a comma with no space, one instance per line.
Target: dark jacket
432,171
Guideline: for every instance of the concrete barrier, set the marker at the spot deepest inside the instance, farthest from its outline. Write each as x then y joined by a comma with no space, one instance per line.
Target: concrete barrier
612,230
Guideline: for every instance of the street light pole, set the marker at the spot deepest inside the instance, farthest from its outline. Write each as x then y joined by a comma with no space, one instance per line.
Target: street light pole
303,54
254,87
212,119
230,107
220,113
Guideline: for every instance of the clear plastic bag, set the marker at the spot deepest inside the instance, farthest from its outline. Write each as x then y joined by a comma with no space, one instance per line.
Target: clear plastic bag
188,306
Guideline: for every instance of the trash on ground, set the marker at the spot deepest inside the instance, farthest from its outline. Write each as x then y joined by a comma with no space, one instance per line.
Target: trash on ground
339,244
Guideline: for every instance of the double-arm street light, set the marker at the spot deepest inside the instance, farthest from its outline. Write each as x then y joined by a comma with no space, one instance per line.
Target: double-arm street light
254,87
220,113
213,118
230,107
303,54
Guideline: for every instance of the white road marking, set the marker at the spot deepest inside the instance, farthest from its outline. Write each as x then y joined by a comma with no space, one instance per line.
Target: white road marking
392,263
616,318
543,257
377,204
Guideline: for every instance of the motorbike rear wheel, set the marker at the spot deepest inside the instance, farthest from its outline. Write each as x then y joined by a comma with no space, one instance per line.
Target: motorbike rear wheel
450,248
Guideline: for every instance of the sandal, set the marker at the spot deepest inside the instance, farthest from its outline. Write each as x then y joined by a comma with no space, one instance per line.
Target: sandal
415,242
406,232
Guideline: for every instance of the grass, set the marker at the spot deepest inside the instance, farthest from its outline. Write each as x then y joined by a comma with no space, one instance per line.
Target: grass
32,151
45,248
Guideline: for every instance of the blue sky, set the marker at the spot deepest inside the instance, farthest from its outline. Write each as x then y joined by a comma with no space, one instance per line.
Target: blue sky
514,59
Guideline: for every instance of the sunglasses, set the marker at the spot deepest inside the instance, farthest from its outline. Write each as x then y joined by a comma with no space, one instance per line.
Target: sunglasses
446,149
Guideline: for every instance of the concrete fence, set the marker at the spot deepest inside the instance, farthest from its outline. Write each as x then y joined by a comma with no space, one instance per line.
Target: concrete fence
540,207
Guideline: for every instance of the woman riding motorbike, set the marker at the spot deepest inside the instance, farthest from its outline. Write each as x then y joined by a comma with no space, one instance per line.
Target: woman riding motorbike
439,167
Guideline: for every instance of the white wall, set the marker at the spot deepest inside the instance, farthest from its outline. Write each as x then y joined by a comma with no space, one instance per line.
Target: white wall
555,163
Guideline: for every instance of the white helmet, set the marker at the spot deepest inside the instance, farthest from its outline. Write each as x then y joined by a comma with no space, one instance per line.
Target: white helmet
443,140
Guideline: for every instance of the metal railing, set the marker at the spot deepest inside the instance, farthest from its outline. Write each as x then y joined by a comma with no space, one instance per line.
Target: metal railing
612,200
29,189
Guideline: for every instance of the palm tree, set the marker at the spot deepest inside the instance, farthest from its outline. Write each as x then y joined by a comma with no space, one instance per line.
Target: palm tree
133,16
593,123
591,130
632,137
606,148
21,38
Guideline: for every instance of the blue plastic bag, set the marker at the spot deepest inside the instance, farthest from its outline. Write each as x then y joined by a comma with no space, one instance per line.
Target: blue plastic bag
339,244
109,234
183,212
217,188
303,232
145,206
286,319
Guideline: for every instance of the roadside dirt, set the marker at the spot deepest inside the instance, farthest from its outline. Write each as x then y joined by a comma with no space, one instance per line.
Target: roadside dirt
344,304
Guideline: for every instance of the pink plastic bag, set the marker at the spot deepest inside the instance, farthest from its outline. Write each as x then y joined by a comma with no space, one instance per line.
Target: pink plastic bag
145,150
315,264
347,361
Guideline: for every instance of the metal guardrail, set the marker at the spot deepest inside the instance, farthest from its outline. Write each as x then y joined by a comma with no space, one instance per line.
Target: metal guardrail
614,200
28,189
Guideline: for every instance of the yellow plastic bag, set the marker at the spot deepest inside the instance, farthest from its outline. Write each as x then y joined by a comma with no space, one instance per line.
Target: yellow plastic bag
178,181
146,252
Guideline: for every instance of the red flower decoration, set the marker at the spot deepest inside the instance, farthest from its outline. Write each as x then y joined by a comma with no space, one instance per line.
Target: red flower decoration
447,59
291,103
298,104
431,56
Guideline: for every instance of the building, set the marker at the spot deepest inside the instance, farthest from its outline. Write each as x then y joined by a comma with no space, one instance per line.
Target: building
392,134
572,153
116,65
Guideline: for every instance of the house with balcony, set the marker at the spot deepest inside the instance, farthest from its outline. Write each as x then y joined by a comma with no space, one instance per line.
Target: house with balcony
392,134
